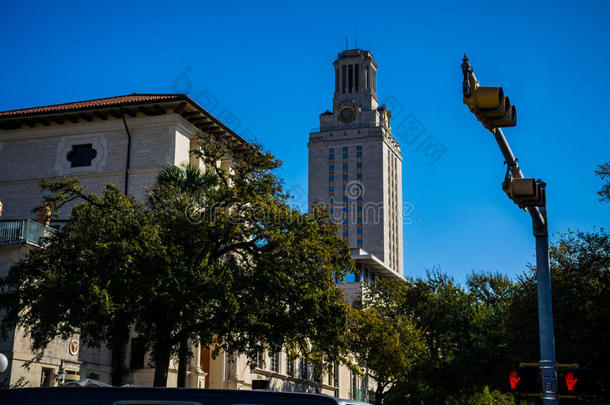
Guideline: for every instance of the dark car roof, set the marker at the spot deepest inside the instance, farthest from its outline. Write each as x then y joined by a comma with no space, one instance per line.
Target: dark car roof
157,396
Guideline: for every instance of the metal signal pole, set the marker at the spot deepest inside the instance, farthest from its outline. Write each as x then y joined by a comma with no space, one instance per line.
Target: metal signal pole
535,203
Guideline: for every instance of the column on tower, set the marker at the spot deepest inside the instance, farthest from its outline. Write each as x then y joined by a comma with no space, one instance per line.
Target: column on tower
336,80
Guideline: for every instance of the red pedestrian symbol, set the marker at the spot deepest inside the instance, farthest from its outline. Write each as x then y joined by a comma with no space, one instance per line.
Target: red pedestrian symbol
514,379
571,381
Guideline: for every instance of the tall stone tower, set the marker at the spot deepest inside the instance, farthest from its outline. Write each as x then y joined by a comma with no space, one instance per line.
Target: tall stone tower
355,167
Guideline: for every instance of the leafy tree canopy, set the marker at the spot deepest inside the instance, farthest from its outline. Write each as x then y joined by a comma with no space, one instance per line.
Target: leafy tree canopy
580,282
384,341
216,256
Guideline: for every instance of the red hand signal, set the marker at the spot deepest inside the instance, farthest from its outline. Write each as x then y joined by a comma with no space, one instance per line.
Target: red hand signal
514,379
571,381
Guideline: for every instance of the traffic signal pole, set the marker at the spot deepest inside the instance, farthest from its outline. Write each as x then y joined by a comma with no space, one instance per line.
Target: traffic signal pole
540,228
543,275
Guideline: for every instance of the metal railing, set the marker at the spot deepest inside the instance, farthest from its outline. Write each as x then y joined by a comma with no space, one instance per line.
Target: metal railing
19,231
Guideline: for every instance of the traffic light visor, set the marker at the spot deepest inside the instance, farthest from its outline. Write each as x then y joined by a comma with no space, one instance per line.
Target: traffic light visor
488,97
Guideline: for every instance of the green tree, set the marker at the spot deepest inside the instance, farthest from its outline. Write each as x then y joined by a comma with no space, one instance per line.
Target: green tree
444,312
225,262
580,280
604,173
487,397
384,342
463,331
489,355
191,185
263,273
88,274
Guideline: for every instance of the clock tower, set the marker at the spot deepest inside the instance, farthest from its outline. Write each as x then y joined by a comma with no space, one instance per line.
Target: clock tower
355,81
355,168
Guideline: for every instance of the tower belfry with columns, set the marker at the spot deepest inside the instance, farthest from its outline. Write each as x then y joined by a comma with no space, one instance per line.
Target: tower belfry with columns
355,168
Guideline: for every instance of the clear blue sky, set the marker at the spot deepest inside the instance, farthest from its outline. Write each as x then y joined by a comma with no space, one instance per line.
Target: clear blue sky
269,65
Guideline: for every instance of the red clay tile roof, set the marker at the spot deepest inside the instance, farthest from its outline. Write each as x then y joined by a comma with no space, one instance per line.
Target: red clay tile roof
97,103
14,119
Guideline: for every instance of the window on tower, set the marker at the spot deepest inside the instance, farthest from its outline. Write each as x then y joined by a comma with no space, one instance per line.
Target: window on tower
343,77
351,77
367,78
356,70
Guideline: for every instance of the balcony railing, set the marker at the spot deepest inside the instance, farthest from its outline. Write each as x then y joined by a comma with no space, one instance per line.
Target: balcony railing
19,231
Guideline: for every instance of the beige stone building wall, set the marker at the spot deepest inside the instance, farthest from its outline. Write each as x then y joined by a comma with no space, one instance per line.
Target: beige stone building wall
237,372
27,156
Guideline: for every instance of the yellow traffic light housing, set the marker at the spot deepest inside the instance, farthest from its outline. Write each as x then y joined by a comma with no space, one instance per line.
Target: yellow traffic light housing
525,192
488,97
491,107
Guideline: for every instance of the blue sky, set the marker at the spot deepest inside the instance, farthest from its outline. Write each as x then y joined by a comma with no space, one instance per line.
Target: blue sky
265,68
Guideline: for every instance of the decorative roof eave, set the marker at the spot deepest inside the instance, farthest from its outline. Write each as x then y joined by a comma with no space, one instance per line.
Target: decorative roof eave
117,107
